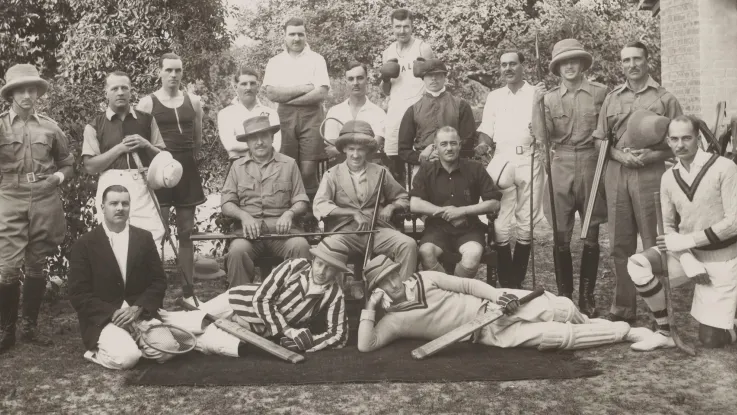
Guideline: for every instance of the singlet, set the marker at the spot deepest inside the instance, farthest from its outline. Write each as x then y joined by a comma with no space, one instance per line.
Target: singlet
175,124
405,86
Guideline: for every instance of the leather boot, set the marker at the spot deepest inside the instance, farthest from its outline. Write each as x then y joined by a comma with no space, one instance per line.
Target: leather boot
505,271
565,280
587,280
9,299
519,262
33,294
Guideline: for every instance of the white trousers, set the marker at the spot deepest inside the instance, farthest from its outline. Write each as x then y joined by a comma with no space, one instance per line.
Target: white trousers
395,111
117,349
515,204
143,212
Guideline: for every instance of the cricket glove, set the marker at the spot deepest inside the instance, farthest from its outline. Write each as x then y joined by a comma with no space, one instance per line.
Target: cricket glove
505,299
302,338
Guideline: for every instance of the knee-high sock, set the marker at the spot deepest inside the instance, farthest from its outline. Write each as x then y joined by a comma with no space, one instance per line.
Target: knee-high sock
464,272
651,291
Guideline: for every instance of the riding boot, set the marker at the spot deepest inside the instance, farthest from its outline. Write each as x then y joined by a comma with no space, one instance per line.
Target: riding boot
505,271
565,280
33,294
9,299
520,260
587,280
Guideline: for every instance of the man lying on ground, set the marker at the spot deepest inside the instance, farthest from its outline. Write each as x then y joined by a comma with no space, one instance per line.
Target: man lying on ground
700,225
429,304
281,306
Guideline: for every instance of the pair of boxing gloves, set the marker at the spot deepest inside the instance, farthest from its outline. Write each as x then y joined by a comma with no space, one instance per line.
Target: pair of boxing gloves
391,69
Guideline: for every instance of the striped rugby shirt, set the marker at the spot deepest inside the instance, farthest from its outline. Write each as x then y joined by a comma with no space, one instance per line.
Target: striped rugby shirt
281,302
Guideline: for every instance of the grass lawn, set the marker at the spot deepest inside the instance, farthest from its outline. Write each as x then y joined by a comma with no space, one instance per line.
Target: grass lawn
58,379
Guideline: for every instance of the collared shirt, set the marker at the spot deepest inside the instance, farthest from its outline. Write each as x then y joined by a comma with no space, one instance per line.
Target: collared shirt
230,124
697,164
93,147
507,116
119,244
360,184
570,116
463,186
264,191
36,145
623,100
306,68
369,112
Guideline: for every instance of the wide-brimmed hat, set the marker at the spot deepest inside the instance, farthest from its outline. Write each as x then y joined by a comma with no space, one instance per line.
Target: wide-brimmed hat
207,269
645,129
255,125
164,171
23,74
334,252
501,169
432,66
568,49
356,132
377,269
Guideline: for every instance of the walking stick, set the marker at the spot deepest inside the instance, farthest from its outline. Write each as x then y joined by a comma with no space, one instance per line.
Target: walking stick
665,282
370,242
167,235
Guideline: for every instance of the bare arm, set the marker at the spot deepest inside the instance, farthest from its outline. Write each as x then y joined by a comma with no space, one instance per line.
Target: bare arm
284,94
316,96
422,207
98,164
199,114
145,105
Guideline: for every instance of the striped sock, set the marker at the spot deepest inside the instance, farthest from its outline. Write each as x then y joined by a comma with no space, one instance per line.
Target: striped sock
653,294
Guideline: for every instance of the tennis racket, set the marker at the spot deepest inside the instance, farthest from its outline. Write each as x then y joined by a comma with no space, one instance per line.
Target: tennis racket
331,123
166,338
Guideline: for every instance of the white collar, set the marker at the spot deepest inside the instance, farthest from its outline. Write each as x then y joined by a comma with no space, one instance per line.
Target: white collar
436,94
313,288
109,113
301,54
522,88
698,161
114,235
237,101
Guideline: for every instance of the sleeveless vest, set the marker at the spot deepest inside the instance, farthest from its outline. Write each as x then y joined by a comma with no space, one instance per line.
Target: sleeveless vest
175,124
111,132
405,86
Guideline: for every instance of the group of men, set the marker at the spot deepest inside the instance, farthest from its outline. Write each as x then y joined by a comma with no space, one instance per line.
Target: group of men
272,182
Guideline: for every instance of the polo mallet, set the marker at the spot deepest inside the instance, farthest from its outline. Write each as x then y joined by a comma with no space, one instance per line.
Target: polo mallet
167,235
166,338
665,282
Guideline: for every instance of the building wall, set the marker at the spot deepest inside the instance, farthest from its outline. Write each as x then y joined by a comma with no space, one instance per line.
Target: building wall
699,54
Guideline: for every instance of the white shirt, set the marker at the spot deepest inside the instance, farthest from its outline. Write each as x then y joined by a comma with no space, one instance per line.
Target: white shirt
360,184
369,112
306,68
230,124
696,165
119,243
507,116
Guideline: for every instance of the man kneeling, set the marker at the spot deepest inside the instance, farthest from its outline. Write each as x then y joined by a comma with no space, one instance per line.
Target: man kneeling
429,304
700,225
280,307
116,284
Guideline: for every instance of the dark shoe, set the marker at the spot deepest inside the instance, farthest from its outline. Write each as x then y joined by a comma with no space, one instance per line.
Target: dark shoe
9,299
519,263
565,280
614,317
505,271
33,294
587,281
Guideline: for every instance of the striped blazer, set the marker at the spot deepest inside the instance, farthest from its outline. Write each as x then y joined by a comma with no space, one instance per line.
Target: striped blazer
280,302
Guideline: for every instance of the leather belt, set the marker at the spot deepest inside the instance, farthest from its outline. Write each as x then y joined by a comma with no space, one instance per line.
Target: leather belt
23,178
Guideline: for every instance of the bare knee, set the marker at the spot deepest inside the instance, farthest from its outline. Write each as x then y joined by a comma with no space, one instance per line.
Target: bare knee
471,253
429,253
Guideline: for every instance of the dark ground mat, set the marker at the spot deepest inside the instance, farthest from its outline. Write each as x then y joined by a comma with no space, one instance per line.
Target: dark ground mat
459,363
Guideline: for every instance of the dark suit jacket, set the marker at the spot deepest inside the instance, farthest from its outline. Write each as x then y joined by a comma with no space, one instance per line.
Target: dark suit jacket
96,284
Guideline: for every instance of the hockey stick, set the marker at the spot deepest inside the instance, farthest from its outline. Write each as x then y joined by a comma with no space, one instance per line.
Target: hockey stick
665,282
459,333
247,336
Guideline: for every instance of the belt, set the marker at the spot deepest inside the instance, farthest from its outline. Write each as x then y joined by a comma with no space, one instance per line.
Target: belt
572,148
517,149
23,178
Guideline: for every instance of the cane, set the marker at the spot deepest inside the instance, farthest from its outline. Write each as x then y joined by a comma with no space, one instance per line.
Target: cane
167,234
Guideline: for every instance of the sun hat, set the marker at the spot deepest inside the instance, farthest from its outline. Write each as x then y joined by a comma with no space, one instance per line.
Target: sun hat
207,269
256,125
334,252
23,74
569,49
501,171
356,132
377,269
164,171
645,129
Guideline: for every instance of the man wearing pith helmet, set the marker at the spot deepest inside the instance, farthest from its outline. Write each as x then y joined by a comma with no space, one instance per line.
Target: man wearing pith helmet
34,161
571,111
347,195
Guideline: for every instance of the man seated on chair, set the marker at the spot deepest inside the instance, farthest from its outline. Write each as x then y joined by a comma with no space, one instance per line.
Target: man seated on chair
699,200
116,282
281,307
348,192
428,304
264,191
447,191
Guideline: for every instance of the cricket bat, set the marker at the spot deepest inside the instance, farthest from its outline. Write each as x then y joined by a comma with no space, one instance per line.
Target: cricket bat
453,336
247,336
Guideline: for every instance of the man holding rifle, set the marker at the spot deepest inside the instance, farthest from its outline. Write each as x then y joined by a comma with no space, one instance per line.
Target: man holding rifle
429,304
571,111
348,193
264,191
634,170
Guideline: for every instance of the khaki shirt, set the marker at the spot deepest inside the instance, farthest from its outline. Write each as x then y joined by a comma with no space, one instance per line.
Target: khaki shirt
35,146
570,116
623,100
264,191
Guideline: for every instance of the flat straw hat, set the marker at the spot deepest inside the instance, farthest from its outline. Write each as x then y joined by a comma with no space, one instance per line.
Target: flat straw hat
23,74
568,49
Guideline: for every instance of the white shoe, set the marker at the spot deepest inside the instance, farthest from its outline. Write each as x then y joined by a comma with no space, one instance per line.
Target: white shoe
638,334
656,341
